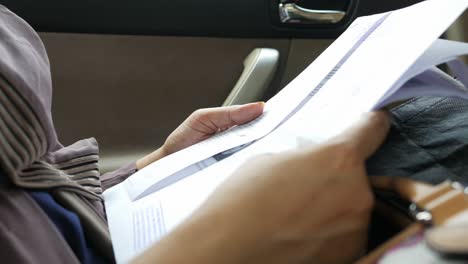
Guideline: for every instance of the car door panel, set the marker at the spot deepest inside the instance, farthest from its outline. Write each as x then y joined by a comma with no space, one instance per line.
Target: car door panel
140,87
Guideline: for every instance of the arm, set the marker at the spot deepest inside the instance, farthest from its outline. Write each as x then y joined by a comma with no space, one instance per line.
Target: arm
308,205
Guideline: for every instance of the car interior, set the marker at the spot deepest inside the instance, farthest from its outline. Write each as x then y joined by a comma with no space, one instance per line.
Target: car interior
134,70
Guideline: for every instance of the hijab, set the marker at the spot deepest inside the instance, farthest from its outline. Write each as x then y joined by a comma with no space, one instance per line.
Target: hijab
30,152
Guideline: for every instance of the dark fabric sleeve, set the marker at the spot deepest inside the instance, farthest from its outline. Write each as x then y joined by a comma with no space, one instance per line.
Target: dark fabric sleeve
115,177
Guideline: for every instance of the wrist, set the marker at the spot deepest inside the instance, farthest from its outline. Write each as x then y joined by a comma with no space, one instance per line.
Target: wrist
152,157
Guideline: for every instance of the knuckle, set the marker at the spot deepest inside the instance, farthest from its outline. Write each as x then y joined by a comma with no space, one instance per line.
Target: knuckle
346,155
199,112
199,115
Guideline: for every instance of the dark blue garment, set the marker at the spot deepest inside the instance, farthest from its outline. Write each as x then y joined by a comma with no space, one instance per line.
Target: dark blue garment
67,223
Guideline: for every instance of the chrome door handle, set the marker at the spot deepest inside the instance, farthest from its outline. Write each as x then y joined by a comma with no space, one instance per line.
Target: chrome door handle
294,14
259,69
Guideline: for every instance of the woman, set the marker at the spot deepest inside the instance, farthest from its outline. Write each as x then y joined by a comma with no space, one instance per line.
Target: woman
308,203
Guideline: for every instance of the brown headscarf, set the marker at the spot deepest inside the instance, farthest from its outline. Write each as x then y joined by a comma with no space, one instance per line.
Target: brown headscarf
30,153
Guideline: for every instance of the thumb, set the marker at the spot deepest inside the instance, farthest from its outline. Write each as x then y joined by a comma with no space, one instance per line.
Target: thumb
367,134
225,117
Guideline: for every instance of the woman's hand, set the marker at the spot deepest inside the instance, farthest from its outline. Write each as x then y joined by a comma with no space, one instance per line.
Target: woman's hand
202,124
311,205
